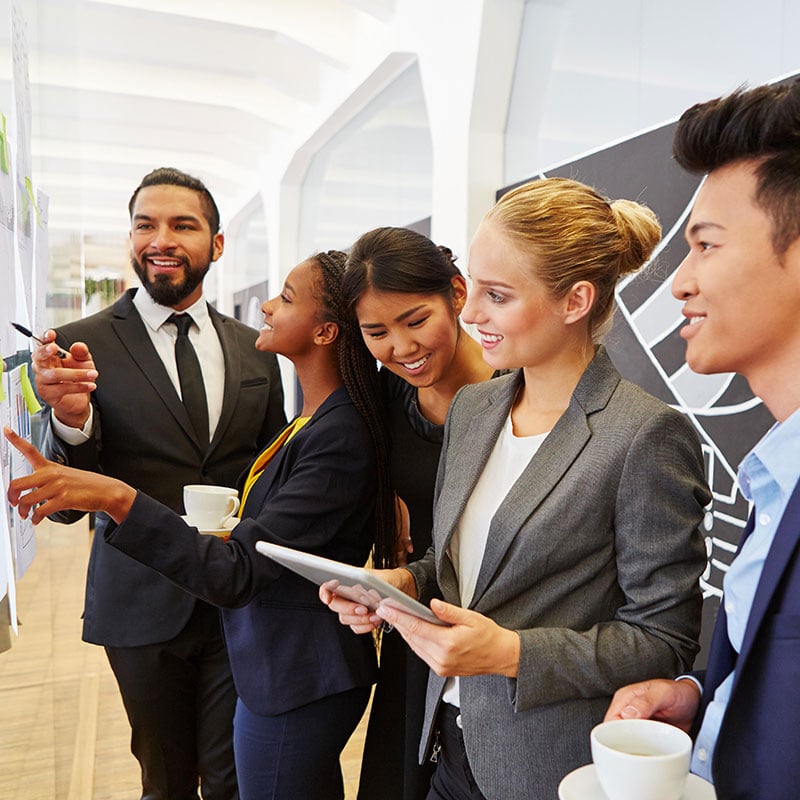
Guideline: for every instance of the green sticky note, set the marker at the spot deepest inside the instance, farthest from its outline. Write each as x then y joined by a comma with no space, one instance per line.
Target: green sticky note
4,160
27,390
29,190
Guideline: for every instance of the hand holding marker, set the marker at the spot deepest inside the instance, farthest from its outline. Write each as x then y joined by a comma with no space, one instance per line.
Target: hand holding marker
25,332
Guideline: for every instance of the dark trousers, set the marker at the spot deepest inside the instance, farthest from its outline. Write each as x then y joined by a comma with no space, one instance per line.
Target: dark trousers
453,777
180,698
295,755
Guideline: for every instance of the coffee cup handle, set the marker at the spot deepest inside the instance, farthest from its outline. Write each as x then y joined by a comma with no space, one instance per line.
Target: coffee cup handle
233,509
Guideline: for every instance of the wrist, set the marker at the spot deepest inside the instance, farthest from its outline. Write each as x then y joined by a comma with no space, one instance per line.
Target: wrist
509,652
120,500
405,582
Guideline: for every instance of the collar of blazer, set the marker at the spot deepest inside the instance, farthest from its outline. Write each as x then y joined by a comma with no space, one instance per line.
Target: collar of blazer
476,424
261,487
131,332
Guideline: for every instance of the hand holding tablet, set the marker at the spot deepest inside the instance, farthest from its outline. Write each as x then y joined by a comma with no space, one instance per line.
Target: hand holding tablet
354,583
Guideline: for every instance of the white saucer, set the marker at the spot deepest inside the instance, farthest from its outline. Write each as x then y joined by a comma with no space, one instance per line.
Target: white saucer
582,784
225,530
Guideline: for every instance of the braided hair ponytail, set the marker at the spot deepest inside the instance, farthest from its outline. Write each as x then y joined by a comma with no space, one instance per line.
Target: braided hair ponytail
360,376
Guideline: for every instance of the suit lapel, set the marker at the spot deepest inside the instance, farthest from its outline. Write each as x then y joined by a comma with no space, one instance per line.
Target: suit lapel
544,471
261,489
547,468
463,471
233,374
780,554
129,328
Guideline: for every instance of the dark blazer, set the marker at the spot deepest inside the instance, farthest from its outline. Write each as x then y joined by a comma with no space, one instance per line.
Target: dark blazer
593,557
756,756
143,436
316,494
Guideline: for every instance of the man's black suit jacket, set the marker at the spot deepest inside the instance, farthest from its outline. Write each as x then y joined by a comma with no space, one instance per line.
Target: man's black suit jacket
143,436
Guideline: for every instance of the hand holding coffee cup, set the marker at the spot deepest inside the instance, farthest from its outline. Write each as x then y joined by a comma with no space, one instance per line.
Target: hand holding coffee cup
641,759
209,507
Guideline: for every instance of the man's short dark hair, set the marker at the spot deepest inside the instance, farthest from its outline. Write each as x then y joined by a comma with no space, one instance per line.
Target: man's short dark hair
761,124
168,176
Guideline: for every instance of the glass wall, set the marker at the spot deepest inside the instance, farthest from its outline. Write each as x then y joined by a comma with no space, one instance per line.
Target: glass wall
375,171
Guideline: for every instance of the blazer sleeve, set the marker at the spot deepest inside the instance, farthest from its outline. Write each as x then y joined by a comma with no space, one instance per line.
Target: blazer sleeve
321,500
660,555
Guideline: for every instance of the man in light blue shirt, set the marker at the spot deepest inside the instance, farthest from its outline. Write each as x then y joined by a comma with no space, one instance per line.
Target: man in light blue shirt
740,285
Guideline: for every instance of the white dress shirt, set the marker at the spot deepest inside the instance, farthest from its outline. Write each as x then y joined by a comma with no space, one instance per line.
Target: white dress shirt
206,343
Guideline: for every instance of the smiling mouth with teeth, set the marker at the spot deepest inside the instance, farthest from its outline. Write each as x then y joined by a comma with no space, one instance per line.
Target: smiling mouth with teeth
695,320
415,364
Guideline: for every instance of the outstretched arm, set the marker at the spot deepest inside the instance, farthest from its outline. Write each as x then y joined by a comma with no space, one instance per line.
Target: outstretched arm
52,487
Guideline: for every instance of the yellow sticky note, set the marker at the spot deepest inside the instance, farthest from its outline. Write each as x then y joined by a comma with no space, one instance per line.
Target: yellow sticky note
27,390
2,381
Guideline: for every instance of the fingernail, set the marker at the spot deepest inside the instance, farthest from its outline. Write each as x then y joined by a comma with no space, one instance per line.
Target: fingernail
629,712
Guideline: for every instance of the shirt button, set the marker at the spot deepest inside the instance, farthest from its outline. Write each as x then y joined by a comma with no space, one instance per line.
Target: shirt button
729,607
458,721
702,754
764,519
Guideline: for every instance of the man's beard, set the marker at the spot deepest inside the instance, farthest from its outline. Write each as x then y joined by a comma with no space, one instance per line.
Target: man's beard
164,289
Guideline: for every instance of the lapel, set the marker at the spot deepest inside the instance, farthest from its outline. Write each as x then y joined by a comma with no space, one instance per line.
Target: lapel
262,488
721,655
233,374
780,554
130,330
486,422
547,468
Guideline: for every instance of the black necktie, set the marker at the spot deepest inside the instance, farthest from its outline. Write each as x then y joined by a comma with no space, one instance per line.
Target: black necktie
193,391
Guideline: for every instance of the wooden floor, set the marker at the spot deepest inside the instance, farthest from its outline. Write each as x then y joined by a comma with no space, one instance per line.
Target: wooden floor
63,730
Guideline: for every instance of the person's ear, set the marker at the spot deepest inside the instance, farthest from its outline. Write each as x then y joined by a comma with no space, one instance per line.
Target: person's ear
217,246
579,301
459,284
326,333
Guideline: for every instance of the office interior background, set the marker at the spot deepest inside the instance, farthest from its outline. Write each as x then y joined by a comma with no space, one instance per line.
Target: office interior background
312,121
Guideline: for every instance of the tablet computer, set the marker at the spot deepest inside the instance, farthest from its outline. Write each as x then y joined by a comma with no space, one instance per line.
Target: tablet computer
355,583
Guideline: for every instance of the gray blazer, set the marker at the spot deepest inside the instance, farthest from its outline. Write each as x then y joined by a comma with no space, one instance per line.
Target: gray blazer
593,557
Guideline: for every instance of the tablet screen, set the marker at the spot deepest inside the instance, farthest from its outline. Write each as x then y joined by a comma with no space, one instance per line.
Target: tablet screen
355,583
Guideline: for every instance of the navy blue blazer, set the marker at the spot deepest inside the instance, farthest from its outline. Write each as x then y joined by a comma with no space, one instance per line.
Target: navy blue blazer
316,494
757,755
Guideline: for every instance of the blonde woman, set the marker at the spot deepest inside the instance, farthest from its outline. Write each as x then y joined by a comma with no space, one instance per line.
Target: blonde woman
565,543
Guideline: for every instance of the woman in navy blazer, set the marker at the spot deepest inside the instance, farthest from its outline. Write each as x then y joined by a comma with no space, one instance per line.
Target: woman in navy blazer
302,679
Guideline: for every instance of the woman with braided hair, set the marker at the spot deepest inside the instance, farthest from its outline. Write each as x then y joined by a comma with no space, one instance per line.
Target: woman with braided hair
303,680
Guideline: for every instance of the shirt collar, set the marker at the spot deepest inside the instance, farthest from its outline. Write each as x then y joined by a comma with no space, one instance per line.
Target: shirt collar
776,453
155,315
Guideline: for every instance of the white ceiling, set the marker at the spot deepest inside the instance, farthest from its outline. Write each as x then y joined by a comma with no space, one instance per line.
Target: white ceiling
224,89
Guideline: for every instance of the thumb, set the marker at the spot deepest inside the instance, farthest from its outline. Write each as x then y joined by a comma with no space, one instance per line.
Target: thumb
80,352
31,454
447,612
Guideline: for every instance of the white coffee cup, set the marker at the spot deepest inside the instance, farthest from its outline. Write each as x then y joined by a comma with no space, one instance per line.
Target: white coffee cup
209,507
641,759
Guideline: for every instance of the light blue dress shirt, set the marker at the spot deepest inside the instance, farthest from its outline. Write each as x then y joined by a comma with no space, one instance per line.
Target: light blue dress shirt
767,477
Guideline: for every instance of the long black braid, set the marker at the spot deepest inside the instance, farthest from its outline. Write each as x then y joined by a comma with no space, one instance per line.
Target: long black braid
360,375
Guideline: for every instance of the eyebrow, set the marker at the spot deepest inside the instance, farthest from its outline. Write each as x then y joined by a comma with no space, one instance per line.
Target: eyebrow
499,284
288,286
177,218
403,316
698,227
